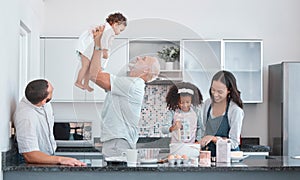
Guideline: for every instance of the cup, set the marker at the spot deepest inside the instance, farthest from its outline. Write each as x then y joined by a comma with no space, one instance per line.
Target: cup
194,161
131,156
205,158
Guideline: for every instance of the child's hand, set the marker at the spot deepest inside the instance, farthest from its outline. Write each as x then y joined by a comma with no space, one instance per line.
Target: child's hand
177,125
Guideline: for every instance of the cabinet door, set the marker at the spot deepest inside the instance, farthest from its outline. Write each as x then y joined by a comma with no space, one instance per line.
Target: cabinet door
60,68
202,59
150,47
117,65
244,59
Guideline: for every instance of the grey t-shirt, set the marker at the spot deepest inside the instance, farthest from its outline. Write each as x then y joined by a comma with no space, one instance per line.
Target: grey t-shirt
34,127
122,109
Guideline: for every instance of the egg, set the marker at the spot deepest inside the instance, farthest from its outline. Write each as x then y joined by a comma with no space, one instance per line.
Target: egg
171,156
184,156
177,156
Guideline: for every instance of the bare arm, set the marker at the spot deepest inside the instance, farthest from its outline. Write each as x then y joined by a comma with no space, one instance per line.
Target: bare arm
38,157
101,78
105,53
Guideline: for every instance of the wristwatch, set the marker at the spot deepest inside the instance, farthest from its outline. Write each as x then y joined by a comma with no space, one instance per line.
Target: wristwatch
97,48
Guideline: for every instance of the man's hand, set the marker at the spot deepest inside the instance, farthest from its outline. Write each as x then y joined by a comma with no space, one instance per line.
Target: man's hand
71,161
38,157
97,33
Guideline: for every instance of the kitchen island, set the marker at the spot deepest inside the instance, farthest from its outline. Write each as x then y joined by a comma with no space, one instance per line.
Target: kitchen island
250,168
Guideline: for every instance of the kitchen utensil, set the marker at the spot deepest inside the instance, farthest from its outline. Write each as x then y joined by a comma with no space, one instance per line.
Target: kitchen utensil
131,156
189,149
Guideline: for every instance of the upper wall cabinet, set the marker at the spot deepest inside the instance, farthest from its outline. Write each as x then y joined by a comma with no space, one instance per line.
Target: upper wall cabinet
203,58
195,61
167,51
60,66
244,59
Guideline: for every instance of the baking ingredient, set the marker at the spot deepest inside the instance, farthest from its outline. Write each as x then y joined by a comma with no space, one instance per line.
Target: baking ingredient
177,156
171,156
184,156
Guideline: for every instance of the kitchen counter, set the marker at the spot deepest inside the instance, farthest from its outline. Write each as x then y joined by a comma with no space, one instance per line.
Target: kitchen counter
269,168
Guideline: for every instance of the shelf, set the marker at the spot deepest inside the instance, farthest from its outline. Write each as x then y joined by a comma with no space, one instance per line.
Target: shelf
165,82
198,70
175,70
246,70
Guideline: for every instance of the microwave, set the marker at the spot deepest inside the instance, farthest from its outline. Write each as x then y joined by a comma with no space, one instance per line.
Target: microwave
73,134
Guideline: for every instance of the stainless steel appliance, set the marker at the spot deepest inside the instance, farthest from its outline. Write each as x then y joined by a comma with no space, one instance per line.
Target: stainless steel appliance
73,134
284,108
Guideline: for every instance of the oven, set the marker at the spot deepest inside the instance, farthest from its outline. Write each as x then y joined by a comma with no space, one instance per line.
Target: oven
73,133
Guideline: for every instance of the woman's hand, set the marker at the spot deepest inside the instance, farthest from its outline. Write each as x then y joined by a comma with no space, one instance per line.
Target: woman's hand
205,140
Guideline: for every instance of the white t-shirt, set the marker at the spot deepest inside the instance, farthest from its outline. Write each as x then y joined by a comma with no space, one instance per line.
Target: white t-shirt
122,108
86,43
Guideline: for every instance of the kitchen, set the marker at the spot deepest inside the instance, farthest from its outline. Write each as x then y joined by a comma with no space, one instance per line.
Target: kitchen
274,22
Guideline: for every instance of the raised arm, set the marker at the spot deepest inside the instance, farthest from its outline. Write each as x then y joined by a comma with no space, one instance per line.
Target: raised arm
101,78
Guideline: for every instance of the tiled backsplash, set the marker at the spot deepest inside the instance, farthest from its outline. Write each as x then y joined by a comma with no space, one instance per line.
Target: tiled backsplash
153,113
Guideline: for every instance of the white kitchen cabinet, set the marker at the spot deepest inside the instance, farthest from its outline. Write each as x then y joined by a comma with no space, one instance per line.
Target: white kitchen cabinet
203,58
150,47
60,65
244,59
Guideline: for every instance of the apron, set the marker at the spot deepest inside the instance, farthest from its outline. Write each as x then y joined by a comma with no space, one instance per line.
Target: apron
222,131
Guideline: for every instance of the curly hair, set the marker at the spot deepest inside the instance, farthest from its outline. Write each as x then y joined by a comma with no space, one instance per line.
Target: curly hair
116,18
173,96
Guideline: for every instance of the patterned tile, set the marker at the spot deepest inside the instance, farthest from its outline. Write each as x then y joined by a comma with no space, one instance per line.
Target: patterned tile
153,112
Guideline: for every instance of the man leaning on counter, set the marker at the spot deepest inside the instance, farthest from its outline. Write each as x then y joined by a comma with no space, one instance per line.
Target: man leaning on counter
33,120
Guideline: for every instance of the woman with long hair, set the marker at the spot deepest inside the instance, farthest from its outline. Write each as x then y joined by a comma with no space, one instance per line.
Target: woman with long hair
223,113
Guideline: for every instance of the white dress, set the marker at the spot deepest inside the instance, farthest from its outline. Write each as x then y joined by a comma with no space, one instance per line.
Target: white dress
86,43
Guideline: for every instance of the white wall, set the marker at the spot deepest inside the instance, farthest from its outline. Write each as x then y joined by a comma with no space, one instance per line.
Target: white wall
9,70
12,12
30,12
276,22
